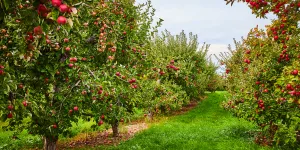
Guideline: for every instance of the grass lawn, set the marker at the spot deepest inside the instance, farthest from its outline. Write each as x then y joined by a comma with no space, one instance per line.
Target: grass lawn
207,127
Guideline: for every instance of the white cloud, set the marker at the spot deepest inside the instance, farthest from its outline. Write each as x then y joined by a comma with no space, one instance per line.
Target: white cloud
217,49
215,22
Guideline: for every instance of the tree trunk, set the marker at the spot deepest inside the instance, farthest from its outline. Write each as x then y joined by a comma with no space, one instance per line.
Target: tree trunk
50,143
150,115
115,129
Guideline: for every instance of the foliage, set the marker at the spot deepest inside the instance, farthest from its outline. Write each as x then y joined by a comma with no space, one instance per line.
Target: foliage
61,63
217,83
180,72
262,75
91,59
178,59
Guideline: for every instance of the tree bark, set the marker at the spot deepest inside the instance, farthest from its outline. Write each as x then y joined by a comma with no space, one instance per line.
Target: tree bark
115,129
150,115
50,143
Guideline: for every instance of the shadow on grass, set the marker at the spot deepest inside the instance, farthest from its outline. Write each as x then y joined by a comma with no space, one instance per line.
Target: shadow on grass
238,132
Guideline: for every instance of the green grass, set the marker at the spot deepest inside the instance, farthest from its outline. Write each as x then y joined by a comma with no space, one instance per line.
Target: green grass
207,127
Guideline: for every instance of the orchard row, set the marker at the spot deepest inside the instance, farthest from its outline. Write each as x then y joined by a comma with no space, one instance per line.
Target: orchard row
262,74
65,60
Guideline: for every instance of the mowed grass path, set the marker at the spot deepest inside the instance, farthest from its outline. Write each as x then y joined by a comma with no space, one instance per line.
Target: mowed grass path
206,127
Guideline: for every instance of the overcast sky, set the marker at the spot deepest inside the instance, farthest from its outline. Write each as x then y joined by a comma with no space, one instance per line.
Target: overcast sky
212,20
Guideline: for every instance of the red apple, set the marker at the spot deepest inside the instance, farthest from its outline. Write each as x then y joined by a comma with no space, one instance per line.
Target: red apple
100,123
75,108
25,103
71,65
63,8
133,80
175,69
42,9
247,61
61,20
227,71
38,30
68,49
295,72
248,51
56,3
20,86
84,92
284,51
48,41
66,40
9,115
118,74
161,73
10,107
73,59
106,94
102,117
110,57
293,93
54,126
172,62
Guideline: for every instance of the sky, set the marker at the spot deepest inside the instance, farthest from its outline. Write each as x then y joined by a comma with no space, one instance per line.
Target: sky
213,21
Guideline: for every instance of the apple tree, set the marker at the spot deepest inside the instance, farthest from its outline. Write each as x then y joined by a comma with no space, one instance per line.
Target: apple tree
58,57
180,71
262,74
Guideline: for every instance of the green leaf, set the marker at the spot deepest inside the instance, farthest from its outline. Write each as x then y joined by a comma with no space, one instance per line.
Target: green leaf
43,70
54,14
8,89
6,4
3,118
